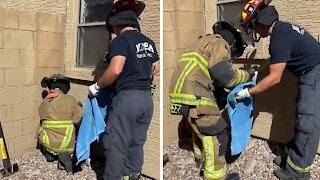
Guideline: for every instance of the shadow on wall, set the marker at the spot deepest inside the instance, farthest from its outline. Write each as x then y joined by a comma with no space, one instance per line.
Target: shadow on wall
279,101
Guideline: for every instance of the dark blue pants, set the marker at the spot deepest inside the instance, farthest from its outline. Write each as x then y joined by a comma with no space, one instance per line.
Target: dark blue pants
303,148
126,132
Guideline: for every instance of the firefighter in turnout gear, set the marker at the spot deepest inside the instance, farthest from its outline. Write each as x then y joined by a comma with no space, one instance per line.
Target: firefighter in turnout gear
204,65
59,112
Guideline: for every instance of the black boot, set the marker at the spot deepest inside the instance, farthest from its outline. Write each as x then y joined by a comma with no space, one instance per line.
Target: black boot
233,176
280,160
65,160
283,174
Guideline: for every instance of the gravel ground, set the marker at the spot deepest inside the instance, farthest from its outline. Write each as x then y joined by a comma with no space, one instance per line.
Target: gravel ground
181,162
34,166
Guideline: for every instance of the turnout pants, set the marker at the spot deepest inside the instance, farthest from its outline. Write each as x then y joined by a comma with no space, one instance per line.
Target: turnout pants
126,132
303,148
208,148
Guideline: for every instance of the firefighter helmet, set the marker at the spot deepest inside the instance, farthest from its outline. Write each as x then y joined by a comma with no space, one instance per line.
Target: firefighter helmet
56,81
134,5
250,11
232,35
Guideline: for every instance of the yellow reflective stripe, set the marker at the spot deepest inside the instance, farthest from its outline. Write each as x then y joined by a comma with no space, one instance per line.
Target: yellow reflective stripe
196,150
55,151
239,76
191,100
67,138
210,171
303,170
45,139
187,69
194,56
243,76
57,124
209,154
198,56
217,174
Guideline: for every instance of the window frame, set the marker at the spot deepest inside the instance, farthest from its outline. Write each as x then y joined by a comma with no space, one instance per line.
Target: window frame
80,25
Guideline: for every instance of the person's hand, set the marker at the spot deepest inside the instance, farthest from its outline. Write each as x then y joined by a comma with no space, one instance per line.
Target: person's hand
94,89
255,76
243,94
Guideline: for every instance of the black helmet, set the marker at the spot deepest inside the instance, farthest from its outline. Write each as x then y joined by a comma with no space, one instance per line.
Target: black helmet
56,81
125,18
232,35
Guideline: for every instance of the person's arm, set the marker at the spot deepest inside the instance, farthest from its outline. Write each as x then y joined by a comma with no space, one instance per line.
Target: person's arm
156,68
112,72
274,77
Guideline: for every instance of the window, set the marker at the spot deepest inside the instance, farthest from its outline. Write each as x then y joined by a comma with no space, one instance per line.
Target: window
93,37
230,10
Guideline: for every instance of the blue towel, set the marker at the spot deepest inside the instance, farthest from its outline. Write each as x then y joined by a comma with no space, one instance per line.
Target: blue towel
93,123
240,114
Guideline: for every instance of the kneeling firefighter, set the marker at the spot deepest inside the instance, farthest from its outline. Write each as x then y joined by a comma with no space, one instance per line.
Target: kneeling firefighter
59,113
205,65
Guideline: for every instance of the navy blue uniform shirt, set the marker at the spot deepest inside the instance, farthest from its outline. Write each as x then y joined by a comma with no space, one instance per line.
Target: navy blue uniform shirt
293,45
140,53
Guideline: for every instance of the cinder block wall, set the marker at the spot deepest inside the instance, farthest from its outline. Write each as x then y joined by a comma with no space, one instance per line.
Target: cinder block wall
31,46
183,23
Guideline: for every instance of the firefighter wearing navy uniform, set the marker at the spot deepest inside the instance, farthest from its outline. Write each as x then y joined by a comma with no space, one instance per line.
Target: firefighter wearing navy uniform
293,48
205,64
59,112
132,59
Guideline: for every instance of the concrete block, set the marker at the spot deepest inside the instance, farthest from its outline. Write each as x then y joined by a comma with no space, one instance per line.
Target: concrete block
166,98
168,6
17,39
186,38
3,113
50,41
0,38
170,132
169,23
9,18
170,60
18,77
167,77
190,5
169,41
51,23
9,58
12,129
47,72
22,111
25,142
31,93
195,21
27,21
11,95
30,126
28,58
47,58
1,78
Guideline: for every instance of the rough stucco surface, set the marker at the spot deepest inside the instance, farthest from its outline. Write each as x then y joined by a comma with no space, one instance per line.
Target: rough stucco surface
46,6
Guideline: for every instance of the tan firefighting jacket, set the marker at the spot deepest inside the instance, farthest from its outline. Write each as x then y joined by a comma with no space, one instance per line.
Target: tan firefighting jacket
191,82
58,113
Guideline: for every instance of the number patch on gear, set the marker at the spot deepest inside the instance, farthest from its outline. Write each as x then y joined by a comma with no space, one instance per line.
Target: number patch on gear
175,109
